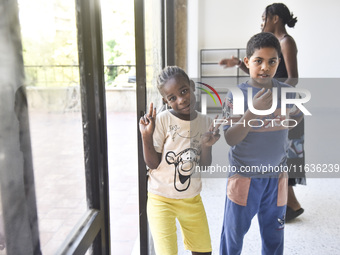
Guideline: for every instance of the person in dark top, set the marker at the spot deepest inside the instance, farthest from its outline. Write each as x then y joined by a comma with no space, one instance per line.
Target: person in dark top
274,19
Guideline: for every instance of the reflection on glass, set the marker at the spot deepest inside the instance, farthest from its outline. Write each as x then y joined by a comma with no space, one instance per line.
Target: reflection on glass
2,231
120,82
89,251
52,81
59,174
153,46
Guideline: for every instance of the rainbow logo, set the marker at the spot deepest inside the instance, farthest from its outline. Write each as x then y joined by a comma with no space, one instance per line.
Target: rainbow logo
208,92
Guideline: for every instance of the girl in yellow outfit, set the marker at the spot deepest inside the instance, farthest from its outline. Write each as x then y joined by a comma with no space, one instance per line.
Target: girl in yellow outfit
175,145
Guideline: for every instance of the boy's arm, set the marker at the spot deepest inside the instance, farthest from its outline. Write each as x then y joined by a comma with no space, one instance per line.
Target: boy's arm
147,127
237,132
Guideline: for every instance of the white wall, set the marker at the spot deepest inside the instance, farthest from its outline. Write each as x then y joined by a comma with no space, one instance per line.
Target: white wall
229,24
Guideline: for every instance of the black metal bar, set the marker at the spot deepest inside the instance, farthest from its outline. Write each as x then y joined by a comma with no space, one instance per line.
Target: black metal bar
201,56
92,88
85,231
238,56
102,123
170,32
141,106
163,40
74,65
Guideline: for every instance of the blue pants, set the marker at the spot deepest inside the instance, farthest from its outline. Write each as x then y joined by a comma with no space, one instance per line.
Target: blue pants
266,197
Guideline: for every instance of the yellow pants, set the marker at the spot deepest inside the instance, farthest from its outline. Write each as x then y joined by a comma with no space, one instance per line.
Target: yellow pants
162,213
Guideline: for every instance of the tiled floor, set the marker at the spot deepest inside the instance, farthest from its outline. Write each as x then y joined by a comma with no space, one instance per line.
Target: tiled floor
60,179
58,161
122,149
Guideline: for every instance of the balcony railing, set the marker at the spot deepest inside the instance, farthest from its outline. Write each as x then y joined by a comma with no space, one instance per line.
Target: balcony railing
68,75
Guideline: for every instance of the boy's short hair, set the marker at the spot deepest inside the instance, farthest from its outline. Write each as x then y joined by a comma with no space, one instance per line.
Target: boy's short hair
263,40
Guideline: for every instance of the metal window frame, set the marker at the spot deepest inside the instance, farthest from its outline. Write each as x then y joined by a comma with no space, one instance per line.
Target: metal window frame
168,58
94,228
141,107
170,31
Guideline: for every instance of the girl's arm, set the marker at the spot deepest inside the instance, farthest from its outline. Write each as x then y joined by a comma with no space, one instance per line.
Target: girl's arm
206,157
289,53
147,127
151,157
208,140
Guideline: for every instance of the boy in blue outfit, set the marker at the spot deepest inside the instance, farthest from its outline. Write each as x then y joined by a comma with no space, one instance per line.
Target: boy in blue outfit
258,152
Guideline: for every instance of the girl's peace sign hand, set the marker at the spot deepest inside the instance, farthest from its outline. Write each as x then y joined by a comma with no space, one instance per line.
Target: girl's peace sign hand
211,137
147,122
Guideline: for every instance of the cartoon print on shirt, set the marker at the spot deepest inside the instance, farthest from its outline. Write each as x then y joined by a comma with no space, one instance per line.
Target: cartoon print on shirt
185,163
174,131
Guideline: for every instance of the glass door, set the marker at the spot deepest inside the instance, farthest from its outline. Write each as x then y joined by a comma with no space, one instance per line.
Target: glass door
53,142
150,59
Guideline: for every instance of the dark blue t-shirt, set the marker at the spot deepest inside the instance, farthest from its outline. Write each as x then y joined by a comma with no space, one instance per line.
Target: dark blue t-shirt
265,146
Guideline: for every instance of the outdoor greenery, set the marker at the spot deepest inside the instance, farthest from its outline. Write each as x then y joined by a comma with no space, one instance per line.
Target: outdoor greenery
112,70
49,37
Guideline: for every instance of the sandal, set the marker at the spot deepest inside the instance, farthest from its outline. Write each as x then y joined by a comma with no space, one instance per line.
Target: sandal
291,214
